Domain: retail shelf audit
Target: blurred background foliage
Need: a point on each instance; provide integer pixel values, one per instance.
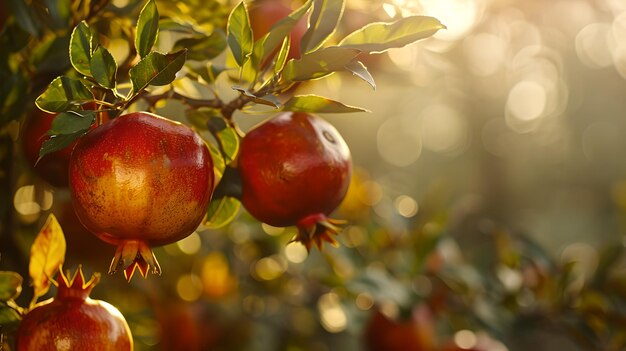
(487, 211)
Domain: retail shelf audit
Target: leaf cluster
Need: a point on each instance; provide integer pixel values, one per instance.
(263, 74)
(47, 255)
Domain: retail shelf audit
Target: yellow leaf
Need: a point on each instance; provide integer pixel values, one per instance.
(46, 256)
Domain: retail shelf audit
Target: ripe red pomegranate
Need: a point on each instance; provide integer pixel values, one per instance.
(73, 321)
(138, 181)
(52, 167)
(265, 13)
(414, 334)
(295, 170)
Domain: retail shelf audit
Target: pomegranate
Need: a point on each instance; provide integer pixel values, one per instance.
(265, 13)
(73, 321)
(52, 167)
(138, 181)
(295, 170)
(414, 334)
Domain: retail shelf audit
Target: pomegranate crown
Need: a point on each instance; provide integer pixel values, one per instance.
(77, 282)
(317, 229)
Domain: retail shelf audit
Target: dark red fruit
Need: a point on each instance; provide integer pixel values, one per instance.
(73, 321)
(295, 170)
(138, 181)
(265, 13)
(414, 334)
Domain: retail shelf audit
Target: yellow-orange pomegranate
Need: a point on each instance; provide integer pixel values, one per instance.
(138, 181)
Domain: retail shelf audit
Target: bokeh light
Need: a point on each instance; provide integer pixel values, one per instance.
(465, 339)
(189, 287)
(295, 252)
(332, 315)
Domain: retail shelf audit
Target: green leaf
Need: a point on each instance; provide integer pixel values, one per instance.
(281, 58)
(219, 165)
(13, 39)
(318, 104)
(358, 69)
(104, 68)
(156, 69)
(203, 48)
(59, 12)
(319, 63)
(281, 29)
(322, 23)
(51, 55)
(269, 100)
(24, 16)
(178, 26)
(226, 137)
(266, 46)
(209, 72)
(14, 95)
(250, 70)
(80, 48)
(147, 28)
(58, 142)
(239, 37)
(380, 37)
(8, 316)
(199, 118)
(221, 211)
(10, 285)
(63, 93)
(72, 122)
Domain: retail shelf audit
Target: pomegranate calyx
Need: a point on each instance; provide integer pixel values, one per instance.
(76, 286)
(132, 255)
(317, 229)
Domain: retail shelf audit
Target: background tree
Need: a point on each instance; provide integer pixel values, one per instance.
(235, 283)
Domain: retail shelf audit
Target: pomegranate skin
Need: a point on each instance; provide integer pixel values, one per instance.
(295, 170)
(140, 180)
(141, 177)
(73, 321)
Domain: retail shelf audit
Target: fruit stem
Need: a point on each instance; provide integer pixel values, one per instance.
(229, 109)
(171, 94)
(237, 104)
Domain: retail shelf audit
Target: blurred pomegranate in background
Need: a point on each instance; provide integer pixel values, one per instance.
(414, 334)
(53, 168)
(265, 13)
